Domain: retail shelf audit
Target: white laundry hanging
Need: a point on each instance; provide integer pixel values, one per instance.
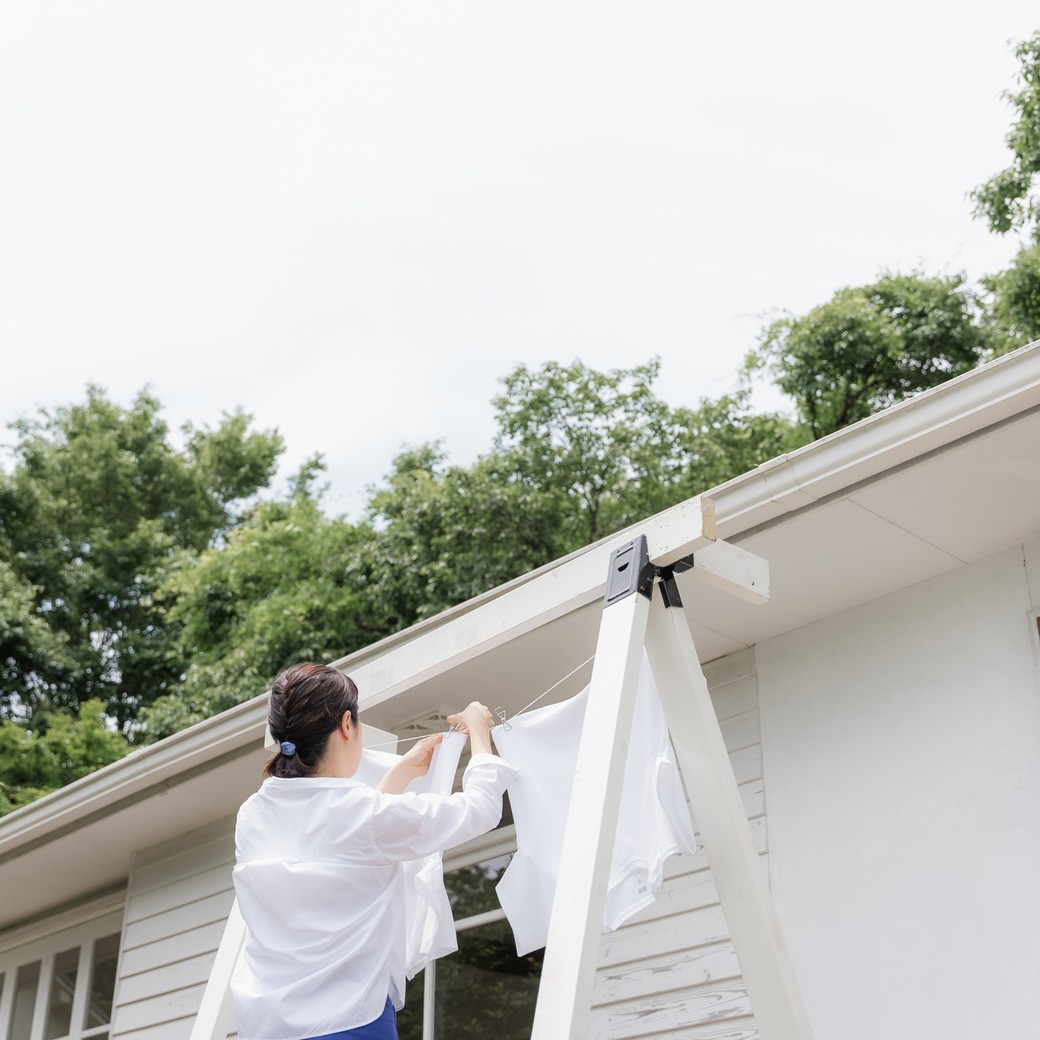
(653, 822)
(429, 925)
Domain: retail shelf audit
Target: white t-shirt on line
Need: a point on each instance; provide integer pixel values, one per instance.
(653, 822)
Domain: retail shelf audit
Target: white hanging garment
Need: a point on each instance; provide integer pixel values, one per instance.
(429, 925)
(653, 822)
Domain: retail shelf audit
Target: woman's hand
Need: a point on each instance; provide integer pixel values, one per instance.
(415, 762)
(477, 721)
(418, 758)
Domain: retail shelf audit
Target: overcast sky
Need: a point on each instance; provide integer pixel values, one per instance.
(352, 218)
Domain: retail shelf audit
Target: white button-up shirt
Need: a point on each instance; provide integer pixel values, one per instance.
(319, 883)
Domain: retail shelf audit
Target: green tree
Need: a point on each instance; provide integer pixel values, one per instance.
(591, 438)
(65, 748)
(441, 534)
(579, 454)
(1015, 299)
(1008, 200)
(288, 584)
(871, 346)
(96, 513)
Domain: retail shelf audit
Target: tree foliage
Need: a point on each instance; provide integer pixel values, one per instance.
(288, 584)
(871, 346)
(1015, 300)
(96, 513)
(34, 762)
(1009, 201)
(291, 583)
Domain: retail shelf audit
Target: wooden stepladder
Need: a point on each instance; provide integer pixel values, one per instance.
(642, 609)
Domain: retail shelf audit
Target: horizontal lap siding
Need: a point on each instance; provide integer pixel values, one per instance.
(671, 973)
(178, 902)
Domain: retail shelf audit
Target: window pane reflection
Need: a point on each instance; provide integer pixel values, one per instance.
(26, 983)
(471, 890)
(102, 981)
(485, 990)
(63, 987)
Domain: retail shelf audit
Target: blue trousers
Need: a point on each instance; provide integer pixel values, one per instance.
(383, 1028)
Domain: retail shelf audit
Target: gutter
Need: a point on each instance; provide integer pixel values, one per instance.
(999, 391)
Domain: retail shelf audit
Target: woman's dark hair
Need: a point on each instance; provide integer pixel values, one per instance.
(308, 702)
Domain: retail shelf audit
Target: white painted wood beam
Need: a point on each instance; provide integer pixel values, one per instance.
(733, 570)
(705, 766)
(216, 1012)
(686, 528)
(568, 972)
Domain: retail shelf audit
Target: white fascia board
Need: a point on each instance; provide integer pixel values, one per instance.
(936, 419)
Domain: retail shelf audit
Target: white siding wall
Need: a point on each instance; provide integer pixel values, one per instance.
(672, 971)
(902, 752)
(179, 898)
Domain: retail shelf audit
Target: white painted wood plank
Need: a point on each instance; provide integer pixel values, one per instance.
(673, 934)
(197, 841)
(725, 1029)
(167, 978)
(182, 919)
(746, 764)
(665, 972)
(175, 1029)
(169, 950)
(709, 778)
(734, 570)
(730, 1029)
(565, 992)
(740, 731)
(736, 697)
(729, 669)
(181, 892)
(169, 1007)
(671, 1011)
(191, 860)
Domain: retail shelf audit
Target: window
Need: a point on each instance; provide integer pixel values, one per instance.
(61, 987)
(484, 989)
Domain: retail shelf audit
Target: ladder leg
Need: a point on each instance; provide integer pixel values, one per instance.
(216, 1012)
(576, 923)
(748, 907)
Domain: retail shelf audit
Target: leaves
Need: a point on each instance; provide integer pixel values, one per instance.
(871, 346)
(1015, 300)
(1007, 201)
(98, 510)
(65, 748)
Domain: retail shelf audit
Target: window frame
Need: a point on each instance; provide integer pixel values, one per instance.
(499, 842)
(45, 949)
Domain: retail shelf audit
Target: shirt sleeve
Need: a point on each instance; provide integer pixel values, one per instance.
(409, 826)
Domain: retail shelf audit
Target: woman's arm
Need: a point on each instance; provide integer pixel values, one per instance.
(413, 764)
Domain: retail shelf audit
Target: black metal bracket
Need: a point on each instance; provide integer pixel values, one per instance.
(629, 571)
(669, 586)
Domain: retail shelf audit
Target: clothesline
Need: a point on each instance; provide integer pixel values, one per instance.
(526, 707)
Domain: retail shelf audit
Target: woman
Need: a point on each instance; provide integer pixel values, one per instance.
(318, 873)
